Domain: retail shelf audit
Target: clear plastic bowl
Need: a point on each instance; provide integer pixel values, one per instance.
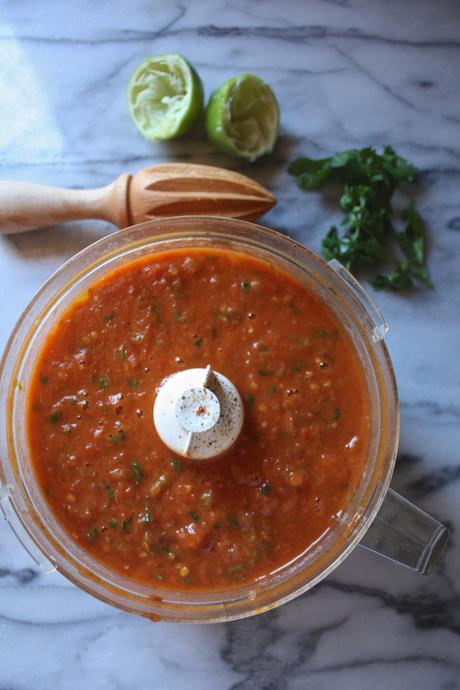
(26, 508)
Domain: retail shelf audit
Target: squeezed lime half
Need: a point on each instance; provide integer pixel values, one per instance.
(165, 97)
(242, 117)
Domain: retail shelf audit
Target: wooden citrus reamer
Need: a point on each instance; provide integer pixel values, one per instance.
(167, 189)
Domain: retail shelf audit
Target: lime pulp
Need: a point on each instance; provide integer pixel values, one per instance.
(165, 97)
(242, 117)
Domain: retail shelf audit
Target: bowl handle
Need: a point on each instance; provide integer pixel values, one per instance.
(406, 534)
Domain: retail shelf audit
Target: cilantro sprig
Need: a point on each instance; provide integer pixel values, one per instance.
(369, 180)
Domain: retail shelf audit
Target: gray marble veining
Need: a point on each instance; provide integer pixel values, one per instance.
(347, 73)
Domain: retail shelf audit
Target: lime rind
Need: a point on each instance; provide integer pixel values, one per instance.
(242, 117)
(165, 97)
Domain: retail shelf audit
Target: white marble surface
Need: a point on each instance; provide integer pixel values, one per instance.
(347, 73)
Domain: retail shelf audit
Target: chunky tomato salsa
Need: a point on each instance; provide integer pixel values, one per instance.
(149, 514)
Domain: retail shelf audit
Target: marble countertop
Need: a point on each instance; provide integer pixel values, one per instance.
(347, 73)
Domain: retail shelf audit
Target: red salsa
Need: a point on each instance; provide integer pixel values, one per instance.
(150, 515)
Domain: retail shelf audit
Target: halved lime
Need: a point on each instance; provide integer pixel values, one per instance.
(242, 117)
(165, 97)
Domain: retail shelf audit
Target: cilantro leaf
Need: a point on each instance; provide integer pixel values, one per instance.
(412, 240)
(355, 166)
(412, 243)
